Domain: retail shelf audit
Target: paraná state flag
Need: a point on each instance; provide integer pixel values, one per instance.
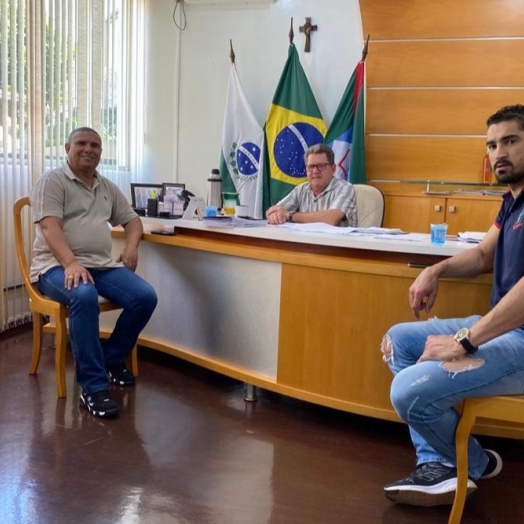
(293, 124)
(346, 133)
(241, 160)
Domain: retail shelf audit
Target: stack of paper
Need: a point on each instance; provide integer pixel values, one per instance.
(374, 231)
(320, 227)
(232, 221)
(471, 236)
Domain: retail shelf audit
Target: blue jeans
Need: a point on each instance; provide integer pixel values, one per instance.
(92, 355)
(424, 394)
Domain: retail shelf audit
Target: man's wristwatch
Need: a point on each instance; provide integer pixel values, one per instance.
(290, 218)
(461, 336)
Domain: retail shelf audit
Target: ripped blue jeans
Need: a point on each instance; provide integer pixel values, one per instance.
(425, 395)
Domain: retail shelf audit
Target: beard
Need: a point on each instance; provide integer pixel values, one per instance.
(508, 175)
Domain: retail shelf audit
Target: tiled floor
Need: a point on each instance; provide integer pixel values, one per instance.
(187, 449)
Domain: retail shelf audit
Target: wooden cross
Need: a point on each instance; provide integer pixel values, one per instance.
(306, 29)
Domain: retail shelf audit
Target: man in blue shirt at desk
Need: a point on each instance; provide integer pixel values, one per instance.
(323, 198)
(440, 362)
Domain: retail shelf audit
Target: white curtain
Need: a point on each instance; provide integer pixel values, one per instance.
(64, 64)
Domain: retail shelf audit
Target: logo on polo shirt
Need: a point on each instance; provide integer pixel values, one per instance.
(518, 222)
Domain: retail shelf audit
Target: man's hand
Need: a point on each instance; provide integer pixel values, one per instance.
(277, 215)
(442, 347)
(423, 292)
(74, 273)
(133, 232)
(129, 257)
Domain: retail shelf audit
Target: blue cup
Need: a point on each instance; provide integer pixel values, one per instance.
(210, 211)
(438, 234)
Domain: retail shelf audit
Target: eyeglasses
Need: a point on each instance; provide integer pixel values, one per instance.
(320, 167)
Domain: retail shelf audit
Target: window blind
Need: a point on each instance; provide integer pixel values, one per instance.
(64, 64)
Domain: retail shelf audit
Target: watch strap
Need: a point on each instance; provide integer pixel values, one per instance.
(468, 346)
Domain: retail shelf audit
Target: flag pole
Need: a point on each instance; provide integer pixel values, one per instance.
(232, 53)
(291, 33)
(365, 50)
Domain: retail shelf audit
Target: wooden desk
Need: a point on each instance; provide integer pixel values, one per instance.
(298, 314)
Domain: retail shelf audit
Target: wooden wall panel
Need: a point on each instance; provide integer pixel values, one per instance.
(435, 111)
(425, 158)
(400, 19)
(445, 63)
(435, 72)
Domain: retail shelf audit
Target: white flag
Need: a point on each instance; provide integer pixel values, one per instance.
(241, 161)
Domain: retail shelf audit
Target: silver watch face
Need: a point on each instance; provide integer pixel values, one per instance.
(462, 334)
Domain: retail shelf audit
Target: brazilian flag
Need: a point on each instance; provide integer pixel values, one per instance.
(293, 124)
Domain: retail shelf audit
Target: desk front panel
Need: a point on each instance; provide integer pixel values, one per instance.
(218, 307)
(292, 321)
(332, 323)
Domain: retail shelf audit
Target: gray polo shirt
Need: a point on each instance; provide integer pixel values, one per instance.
(86, 214)
(339, 194)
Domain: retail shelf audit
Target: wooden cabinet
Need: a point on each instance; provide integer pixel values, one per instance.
(461, 212)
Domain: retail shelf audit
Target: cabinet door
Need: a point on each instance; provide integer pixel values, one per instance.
(413, 213)
(471, 215)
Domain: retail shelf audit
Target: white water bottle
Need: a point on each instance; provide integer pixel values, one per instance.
(214, 189)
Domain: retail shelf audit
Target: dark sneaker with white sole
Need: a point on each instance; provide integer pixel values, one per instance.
(119, 374)
(99, 404)
(430, 484)
(494, 466)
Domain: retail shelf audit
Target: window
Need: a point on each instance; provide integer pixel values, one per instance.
(65, 64)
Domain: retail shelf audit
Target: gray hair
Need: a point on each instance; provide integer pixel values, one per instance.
(319, 149)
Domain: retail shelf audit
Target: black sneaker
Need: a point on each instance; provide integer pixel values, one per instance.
(119, 374)
(99, 404)
(494, 466)
(430, 484)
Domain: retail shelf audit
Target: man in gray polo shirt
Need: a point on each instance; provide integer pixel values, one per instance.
(72, 206)
(322, 198)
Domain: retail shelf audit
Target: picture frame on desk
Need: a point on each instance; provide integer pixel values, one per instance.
(172, 190)
(173, 202)
(141, 192)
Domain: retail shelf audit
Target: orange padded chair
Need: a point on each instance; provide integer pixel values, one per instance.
(502, 408)
(43, 307)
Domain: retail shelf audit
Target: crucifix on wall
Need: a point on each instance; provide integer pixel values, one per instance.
(307, 29)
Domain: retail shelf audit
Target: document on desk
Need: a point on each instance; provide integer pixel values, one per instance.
(320, 227)
(234, 222)
(384, 233)
(409, 237)
(375, 232)
(372, 231)
(313, 227)
(472, 236)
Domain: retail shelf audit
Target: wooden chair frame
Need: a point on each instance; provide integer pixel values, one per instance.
(43, 307)
(503, 408)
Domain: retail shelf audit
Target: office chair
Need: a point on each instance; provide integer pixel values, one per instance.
(370, 205)
(43, 307)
